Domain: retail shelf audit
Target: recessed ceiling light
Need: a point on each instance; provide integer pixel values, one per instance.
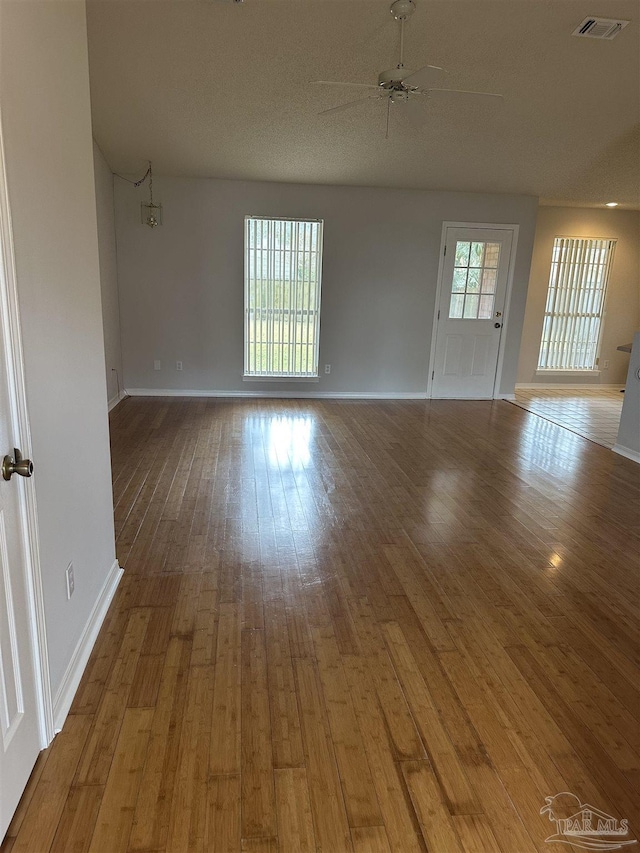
(612, 204)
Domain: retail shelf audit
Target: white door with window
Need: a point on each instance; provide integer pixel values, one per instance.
(470, 312)
(20, 739)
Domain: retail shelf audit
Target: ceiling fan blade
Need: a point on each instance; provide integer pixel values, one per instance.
(423, 76)
(336, 83)
(463, 92)
(349, 104)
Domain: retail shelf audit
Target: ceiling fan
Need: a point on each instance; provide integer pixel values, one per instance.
(400, 85)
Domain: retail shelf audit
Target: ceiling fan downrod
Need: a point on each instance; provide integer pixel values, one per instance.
(402, 11)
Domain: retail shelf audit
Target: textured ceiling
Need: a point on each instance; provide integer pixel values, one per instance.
(218, 89)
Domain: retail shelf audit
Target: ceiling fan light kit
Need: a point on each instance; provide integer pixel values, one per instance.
(400, 85)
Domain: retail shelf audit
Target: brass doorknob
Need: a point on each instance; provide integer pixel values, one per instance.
(21, 466)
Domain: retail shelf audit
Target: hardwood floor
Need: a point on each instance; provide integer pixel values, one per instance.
(352, 626)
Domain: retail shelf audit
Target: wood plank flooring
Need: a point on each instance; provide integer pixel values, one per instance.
(352, 626)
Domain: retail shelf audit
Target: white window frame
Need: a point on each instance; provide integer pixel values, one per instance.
(249, 371)
(582, 261)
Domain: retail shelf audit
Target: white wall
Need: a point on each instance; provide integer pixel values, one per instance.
(44, 94)
(623, 300)
(181, 285)
(628, 442)
(108, 274)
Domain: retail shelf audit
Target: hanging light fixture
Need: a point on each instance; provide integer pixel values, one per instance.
(151, 212)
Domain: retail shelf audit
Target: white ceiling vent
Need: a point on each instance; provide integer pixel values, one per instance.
(599, 28)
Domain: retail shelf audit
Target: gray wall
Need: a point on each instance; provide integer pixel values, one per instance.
(44, 93)
(628, 442)
(181, 285)
(623, 298)
(108, 274)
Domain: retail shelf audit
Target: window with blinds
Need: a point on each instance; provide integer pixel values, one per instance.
(282, 273)
(575, 303)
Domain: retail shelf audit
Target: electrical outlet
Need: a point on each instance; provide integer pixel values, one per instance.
(178, 365)
(605, 364)
(71, 581)
(327, 368)
(156, 365)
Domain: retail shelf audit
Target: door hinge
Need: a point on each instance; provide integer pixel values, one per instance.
(433, 373)
(438, 313)
(445, 248)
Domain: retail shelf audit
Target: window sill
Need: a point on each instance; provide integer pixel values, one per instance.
(540, 372)
(280, 378)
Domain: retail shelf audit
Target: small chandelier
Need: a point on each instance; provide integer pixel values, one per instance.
(151, 212)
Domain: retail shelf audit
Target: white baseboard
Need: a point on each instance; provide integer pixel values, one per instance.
(626, 451)
(559, 386)
(303, 395)
(71, 679)
(113, 402)
(296, 395)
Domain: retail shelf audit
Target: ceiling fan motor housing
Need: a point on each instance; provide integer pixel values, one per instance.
(392, 79)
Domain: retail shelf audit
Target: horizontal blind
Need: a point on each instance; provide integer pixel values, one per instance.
(283, 269)
(575, 303)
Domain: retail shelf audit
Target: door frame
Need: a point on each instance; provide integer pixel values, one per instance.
(21, 429)
(515, 229)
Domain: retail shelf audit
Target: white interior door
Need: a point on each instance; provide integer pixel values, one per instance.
(470, 312)
(19, 718)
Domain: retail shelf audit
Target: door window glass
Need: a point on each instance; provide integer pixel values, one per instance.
(474, 280)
